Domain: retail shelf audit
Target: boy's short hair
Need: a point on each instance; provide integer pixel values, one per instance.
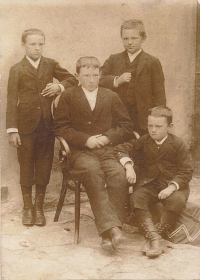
(32, 31)
(87, 61)
(161, 111)
(134, 24)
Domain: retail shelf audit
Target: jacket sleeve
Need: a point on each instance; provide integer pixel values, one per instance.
(62, 124)
(63, 76)
(158, 83)
(107, 79)
(185, 170)
(129, 149)
(122, 127)
(12, 98)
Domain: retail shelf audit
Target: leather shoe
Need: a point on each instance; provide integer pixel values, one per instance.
(117, 237)
(106, 244)
(28, 217)
(39, 217)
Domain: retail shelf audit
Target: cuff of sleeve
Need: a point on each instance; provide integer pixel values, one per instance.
(10, 130)
(124, 160)
(61, 87)
(176, 184)
(115, 82)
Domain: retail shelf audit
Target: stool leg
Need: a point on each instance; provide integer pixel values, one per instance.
(77, 212)
(61, 199)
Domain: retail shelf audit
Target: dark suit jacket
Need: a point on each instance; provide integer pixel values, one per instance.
(76, 122)
(25, 104)
(171, 162)
(149, 85)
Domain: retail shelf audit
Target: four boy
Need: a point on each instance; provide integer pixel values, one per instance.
(93, 120)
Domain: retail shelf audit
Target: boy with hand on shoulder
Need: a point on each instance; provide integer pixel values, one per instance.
(29, 120)
(164, 174)
(136, 76)
(93, 120)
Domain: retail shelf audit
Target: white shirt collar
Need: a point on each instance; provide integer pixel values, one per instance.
(161, 141)
(132, 56)
(91, 97)
(91, 93)
(34, 63)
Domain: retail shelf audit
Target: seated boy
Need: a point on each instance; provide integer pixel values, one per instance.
(164, 175)
(93, 120)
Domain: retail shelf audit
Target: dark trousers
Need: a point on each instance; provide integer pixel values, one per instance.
(146, 196)
(35, 156)
(133, 113)
(104, 180)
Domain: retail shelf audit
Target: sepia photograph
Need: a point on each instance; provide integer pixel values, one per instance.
(100, 139)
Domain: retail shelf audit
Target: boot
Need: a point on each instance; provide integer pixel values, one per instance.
(38, 207)
(146, 246)
(117, 237)
(162, 228)
(28, 215)
(151, 234)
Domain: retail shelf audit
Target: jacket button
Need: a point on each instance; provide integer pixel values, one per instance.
(89, 122)
(38, 108)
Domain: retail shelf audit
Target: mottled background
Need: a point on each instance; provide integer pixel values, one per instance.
(77, 28)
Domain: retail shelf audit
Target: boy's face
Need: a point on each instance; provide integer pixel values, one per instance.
(34, 46)
(158, 127)
(132, 40)
(89, 77)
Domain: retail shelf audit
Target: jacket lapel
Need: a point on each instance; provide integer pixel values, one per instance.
(99, 103)
(142, 61)
(83, 102)
(27, 65)
(164, 148)
(120, 62)
(42, 67)
(152, 146)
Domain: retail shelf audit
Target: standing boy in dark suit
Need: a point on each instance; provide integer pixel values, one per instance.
(29, 120)
(136, 76)
(93, 120)
(164, 174)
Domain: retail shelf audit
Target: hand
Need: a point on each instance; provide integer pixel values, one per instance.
(14, 139)
(104, 139)
(130, 173)
(167, 192)
(51, 90)
(124, 78)
(94, 142)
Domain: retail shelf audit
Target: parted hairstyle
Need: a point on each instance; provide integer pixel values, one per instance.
(161, 111)
(32, 31)
(134, 24)
(87, 61)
